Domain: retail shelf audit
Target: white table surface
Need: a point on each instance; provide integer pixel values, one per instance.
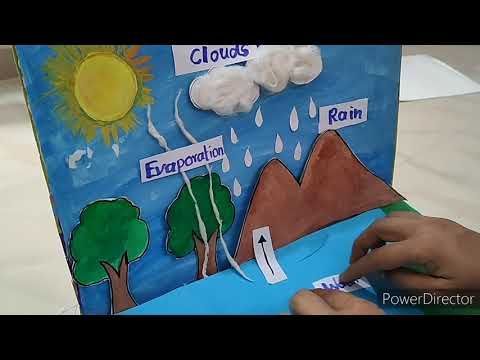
(437, 169)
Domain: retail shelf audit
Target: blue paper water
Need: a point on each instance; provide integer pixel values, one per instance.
(318, 255)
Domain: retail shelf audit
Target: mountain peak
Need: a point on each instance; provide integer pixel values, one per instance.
(335, 186)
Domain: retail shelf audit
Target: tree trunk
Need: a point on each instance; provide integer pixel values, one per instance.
(212, 254)
(121, 297)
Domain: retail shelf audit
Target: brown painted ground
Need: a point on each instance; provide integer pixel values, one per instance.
(335, 186)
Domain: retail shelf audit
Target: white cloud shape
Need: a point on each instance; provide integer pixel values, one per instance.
(308, 64)
(233, 89)
(271, 66)
(276, 65)
(225, 90)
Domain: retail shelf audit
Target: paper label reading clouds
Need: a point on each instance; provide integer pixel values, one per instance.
(182, 159)
(333, 117)
(192, 58)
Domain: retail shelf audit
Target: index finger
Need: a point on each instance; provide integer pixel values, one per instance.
(391, 228)
(387, 257)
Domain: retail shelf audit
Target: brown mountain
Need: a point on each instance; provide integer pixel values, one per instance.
(334, 186)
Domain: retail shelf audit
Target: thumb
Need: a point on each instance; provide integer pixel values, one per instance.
(347, 304)
(306, 302)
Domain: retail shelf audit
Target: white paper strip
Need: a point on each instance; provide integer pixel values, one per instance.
(332, 283)
(265, 256)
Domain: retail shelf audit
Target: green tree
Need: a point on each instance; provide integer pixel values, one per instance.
(110, 235)
(184, 234)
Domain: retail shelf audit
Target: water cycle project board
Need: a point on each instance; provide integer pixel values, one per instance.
(169, 165)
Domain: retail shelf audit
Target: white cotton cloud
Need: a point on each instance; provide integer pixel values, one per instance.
(276, 65)
(226, 91)
(271, 66)
(233, 89)
(308, 64)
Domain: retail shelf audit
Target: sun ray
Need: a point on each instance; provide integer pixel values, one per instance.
(140, 60)
(132, 51)
(114, 133)
(106, 135)
(90, 133)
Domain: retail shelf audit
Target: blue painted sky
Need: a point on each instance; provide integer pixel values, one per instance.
(350, 72)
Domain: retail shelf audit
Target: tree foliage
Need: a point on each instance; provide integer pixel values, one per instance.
(107, 230)
(182, 218)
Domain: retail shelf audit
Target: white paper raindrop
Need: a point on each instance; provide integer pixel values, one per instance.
(89, 152)
(312, 109)
(294, 119)
(278, 144)
(298, 152)
(75, 157)
(259, 117)
(237, 188)
(248, 158)
(225, 165)
(116, 150)
(233, 136)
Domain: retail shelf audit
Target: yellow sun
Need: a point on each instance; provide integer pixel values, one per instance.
(98, 88)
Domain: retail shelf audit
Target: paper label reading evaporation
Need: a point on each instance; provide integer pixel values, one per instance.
(337, 116)
(332, 283)
(193, 58)
(182, 159)
(265, 256)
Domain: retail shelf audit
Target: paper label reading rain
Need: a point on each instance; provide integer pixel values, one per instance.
(265, 256)
(333, 117)
(332, 283)
(192, 58)
(182, 159)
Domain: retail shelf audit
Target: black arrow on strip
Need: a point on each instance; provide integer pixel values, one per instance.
(262, 241)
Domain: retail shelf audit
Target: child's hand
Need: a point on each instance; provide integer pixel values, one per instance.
(449, 252)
